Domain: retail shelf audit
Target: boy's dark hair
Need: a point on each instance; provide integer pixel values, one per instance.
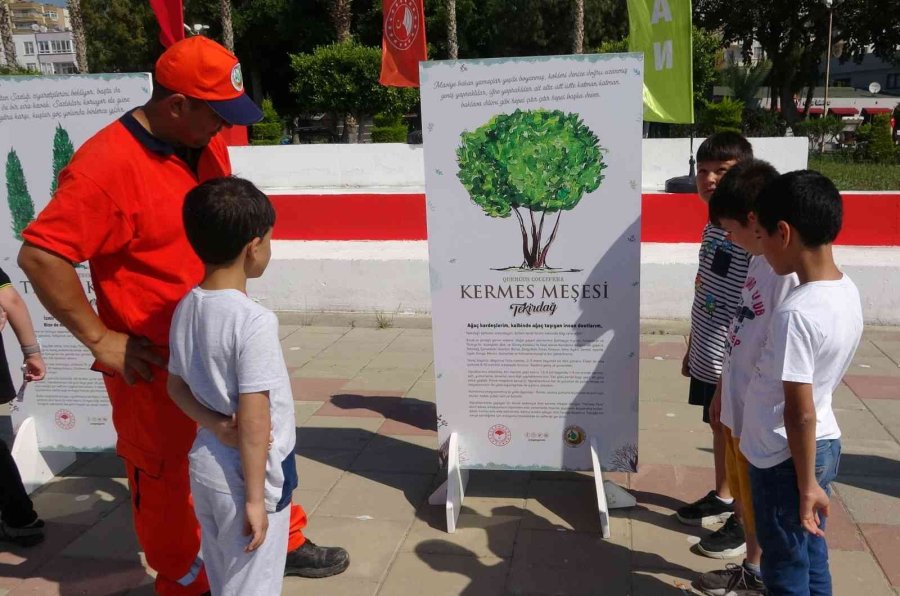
(222, 215)
(736, 193)
(807, 201)
(725, 146)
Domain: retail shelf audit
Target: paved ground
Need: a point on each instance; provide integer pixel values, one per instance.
(366, 456)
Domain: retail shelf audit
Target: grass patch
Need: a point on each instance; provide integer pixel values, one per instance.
(857, 176)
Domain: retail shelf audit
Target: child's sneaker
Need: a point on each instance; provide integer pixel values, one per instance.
(705, 512)
(734, 580)
(726, 542)
(28, 535)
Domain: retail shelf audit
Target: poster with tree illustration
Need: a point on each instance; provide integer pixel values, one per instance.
(42, 122)
(532, 179)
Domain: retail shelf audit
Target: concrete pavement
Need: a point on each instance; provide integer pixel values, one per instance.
(366, 457)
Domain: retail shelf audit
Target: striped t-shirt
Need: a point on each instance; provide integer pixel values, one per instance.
(720, 277)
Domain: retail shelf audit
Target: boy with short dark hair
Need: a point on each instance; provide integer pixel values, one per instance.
(720, 276)
(790, 436)
(733, 208)
(227, 372)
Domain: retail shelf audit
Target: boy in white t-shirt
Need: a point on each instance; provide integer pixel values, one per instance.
(227, 372)
(733, 209)
(790, 435)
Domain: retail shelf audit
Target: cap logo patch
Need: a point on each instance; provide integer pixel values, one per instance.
(237, 78)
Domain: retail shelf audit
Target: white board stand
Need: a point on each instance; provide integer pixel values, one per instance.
(453, 490)
(35, 466)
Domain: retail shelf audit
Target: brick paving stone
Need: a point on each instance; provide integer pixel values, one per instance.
(481, 535)
(663, 350)
(364, 404)
(18, 563)
(841, 531)
(380, 495)
(320, 469)
(315, 389)
(889, 348)
(884, 540)
(856, 572)
(68, 576)
(409, 454)
(871, 500)
(445, 575)
(874, 386)
(888, 414)
(372, 543)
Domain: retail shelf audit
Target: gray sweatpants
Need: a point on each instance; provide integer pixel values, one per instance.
(231, 571)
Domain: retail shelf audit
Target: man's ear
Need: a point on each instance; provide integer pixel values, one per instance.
(176, 104)
(786, 232)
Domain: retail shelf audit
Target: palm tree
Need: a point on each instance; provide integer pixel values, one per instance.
(6, 32)
(227, 25)
(745, 81)
(341, 17)
(78, 34)
(578, 37)
(452, 42)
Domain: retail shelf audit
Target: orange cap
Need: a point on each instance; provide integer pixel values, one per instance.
(200, 68)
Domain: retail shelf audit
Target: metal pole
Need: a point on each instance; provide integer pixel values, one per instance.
(827, 73)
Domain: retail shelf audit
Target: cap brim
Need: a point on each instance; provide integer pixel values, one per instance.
(240, 111)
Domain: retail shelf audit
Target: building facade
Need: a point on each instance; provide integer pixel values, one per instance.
(28, 17)
(47, 53)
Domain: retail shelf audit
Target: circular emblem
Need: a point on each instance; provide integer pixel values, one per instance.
(65, 419)
(401, 26)
(237, 78)
(500, 435)
(573, 436)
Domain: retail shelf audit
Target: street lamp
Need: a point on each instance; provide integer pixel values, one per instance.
(830, 5)
(197, 29)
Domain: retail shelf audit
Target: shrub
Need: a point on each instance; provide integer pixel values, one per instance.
(271, 130)
(389, 128)
(724, 116)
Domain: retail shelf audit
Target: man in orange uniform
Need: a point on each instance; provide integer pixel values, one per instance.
(118, 207)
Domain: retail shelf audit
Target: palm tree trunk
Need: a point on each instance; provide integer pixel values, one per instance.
(578, 41)
(6, 32)
(227, 25)
(78, 34)
(341, 18)
(452, 41)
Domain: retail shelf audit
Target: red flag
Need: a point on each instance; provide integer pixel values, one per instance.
(403, 42)
(170, 15)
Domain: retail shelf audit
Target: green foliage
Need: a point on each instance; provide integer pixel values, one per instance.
(875, 140)
(121, 35)
(705, 56)
(745, 81)
(724, 116)
(540, 160)
(856, 176)
(63, 150)
(343, 78)
(389, 128)
(819, 130)
(6, 70)
(21, 207)
(759, 122)
(270, 130)
(613, 46)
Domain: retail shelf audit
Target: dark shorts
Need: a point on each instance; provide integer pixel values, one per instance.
(701, 394)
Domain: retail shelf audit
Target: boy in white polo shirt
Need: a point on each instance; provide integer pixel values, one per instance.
(733, 209)
(790, 435)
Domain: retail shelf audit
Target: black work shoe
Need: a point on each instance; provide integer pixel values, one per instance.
(316, 561)
(28, 535)
(705, 512)
(734, 580)
(726, 542)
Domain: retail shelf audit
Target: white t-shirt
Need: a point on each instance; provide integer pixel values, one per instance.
(223, 344)
(812, 339)
(763, 291)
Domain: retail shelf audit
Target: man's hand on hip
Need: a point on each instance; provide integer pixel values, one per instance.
(131, 357)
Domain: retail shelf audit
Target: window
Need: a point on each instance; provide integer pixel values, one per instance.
(61, 46)
(841, 82)
(50, 15)
(43, 47)
(66, 68)
(31, 66)
(893, 80)
(29, 48)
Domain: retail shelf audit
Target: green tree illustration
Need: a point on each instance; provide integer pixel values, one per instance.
(63, 149)
(532, 161)
(21, 207)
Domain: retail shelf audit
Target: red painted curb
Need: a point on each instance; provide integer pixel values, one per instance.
(869, 219)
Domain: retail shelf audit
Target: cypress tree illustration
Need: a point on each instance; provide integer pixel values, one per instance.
(21, 207)
(62, 154)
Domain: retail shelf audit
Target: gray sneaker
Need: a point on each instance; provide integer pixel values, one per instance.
(734, 580)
